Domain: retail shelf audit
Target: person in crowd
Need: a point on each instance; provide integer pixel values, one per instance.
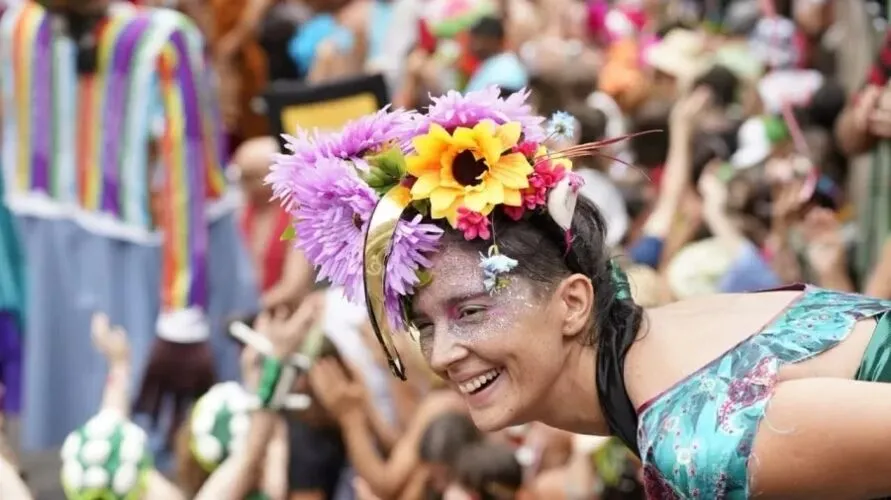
(498, 65)
(399, 473)
(440, 447)
(485, 471)
(257, 468)
(109, 455)
(515, 319)
(208, 446)
(284, 275)
(865, 125)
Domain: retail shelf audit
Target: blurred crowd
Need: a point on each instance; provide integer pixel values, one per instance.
(756, 157)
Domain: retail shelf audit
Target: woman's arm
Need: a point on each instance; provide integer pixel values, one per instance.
(296, 281)
(824, 438)
(113, 344)
(678, 165)
(159, 487)
(11, 484)
(342, 398)
(417, 485)
(240, 473)
(237, 476)
(275, 468)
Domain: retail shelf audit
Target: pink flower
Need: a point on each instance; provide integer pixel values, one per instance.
(548, 174)
(542, 180)
(527, 149)
(473, 224)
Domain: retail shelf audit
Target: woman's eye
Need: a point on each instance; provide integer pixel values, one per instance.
(470, 312)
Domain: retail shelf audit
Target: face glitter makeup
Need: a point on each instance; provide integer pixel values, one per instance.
(457, 310)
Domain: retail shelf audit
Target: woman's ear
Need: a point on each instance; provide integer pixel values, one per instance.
(576, 294)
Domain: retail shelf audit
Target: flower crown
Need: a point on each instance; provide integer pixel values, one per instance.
(366, 201)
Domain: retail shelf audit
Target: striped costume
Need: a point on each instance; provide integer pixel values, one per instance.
(115, 179)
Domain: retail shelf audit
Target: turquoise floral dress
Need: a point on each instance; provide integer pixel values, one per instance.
(695, 439)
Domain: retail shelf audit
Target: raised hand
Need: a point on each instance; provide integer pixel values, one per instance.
(334, 389)
(287, 331)
(109, 340)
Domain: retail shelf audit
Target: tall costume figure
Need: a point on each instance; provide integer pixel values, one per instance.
(112, 162)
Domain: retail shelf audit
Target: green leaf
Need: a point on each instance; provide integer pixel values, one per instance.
(425, 278)
(391, 162)
(422, 206)
(288, 234)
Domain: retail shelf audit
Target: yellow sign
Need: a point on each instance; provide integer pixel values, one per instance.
(328, 115)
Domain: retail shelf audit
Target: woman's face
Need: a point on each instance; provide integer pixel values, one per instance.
(502, 351)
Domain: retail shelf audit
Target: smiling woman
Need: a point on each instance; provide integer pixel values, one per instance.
(461, 227)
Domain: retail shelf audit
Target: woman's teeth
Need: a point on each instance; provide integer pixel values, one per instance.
(476, 384)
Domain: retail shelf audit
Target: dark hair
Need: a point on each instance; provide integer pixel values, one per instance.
(592, 121)
(826, 105)
(490, 470)
(538, 244)
(445, 436)
(651, 150)
(489, 27)
(723, 83)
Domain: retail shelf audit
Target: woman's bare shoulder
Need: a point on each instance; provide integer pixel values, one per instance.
(680, 338)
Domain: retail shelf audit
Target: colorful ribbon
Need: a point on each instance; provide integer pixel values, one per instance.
(86, 143)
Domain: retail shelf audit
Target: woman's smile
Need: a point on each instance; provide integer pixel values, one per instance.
(479, 390)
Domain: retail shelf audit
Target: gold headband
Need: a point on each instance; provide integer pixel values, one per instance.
(381, 227)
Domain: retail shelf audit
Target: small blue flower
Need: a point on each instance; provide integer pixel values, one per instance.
(561, 125)
(494, 267)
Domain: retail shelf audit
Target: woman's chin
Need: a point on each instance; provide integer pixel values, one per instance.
(493, 408)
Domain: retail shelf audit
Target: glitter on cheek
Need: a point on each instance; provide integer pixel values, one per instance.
(491, 333)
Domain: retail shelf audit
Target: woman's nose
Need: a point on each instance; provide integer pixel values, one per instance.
(446, 350)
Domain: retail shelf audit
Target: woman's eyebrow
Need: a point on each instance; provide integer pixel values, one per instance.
(464, 297)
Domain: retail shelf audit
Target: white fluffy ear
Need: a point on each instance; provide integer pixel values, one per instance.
(561, 203)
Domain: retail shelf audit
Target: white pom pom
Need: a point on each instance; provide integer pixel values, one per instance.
(95, 452)
(102, 426)
(209, 448)
(95, 478)
(132, 450)
(125, 479)
(212, 402)
(71, 446)
(73, 475)
(203, 421)
(239, 402)
(239, 424)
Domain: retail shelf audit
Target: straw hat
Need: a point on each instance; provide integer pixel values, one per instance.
(681, 54)
(698, 268)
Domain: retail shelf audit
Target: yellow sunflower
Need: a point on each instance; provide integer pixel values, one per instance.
(471, 168)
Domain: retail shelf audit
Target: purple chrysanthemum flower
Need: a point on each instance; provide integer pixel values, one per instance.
(358, 137)
(454, 109)
(410, 247)
(330, 222)
(368, 134)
